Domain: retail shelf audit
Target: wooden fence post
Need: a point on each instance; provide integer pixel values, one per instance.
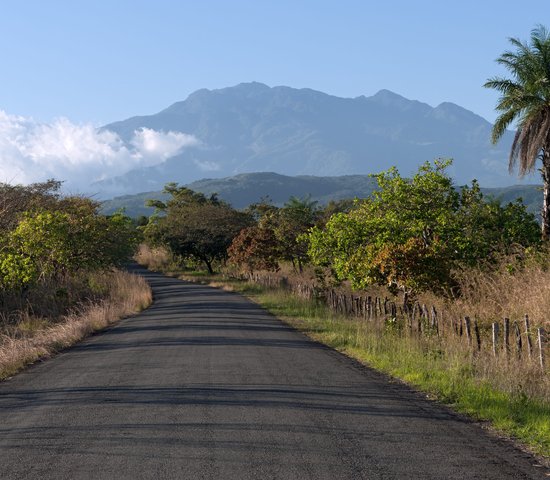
(414, 313)
(478, 337)
(468, 328)
(541, 339)
(434, 322)
(408, 314)
(528, 336)
(424, 311)
(506, 336)
(518, 339)
(424, 315)
(495, 338)
(369, 307)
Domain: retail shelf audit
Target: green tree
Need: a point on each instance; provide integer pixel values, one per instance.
(195, 226)
(412, 233)
(525, 97)
(292, 221)
(44, 239)
(15, 199)
(118, 239)
(54, 244)
(333, 207)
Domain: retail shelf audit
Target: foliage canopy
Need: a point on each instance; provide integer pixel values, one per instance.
(412, 233)
(47, 237)
(195, 226)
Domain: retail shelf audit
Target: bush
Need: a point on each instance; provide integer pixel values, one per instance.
(412, 233)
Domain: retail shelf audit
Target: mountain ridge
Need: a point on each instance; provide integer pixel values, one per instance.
(252, 127)
(247, 188)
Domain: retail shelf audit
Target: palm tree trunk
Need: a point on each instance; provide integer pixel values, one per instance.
(546, 193)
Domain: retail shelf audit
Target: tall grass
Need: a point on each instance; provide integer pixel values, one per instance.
(509, 290)
(26, 337)
(156, 259)
(490, 296)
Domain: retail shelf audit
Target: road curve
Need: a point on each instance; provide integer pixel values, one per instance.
(206, 385)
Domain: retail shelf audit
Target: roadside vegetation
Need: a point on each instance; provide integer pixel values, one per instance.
(58, 272)
(415, 242)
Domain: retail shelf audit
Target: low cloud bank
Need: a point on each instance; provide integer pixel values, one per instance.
(78, 154)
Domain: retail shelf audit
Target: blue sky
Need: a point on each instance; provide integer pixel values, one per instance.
(100, 61)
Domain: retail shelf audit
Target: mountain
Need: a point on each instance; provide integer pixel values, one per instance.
(247, 188)
(531, 195)
(251, 127)
(244, 189)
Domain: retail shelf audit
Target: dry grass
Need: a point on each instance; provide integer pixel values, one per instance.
(488, 297)
(33, 338)
(492, 295)
(510, 290)
(156, 259)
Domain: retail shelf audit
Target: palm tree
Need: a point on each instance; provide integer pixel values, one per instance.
(525, 97)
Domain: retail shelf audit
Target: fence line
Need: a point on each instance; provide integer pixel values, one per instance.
(420, 319)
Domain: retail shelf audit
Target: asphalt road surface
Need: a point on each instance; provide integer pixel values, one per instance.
(206, 385)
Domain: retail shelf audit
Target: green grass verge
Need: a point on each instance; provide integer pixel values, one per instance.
(449, 378)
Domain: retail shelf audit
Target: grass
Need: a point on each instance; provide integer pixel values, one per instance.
(32, 338)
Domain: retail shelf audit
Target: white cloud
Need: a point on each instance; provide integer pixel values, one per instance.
(78, 154)
(155, 144)
(206, 165)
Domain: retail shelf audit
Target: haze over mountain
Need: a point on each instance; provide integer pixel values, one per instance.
(252, 128)
(247, 188)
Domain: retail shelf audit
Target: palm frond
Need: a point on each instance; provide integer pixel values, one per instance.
(540, 129)
(526, 163)
(540, 37)
(528, 142)
(503, 85)
(501, 123)
(521, 47)
(514, 150)
(525, 97)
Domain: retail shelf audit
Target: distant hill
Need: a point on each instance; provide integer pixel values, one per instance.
(244, 189)
(530, 194)
(251, 127)
(247, 188)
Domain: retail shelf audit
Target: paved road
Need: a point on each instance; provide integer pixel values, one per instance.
(206, 385)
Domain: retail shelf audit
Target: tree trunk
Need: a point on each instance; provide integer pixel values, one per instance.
(545, 170)
(208, 264)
